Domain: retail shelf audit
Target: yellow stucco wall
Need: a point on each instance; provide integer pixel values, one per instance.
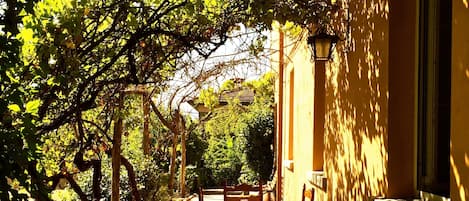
(459, 159)
(370, 124)
(355, 152)
(357, 108)
(302, 115)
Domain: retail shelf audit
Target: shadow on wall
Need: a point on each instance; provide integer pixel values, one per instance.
(459, 158)
(460, 163)
(356, 107)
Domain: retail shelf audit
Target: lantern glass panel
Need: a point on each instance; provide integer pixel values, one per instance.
(323, 48)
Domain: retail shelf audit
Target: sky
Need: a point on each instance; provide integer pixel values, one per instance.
(250, 70)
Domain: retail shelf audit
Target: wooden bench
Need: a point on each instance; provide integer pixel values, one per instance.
(243, 192)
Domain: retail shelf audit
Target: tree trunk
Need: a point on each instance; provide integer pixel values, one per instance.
(174, 130)
(132, 179)
(173, 161)
(182, 177)
(97, 175)
(116, 149)
(146, 122)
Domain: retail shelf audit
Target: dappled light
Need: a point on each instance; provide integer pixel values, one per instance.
(460, 163)
(459, 150)
(356, 107)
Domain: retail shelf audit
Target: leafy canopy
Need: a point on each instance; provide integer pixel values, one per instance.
(61, 58)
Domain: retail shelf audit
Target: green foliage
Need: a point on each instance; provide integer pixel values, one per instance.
(208, 98)
(147, 173)
(259, 145)
(264, 92)
(18, 145)
(59, 56)
(64, 195)
(64, 61)
(60, 148)
(32, 107)
(226, 86)
(223, 158)
(293, 30)
(195, 148)
(156, 186)
(257, 46)
(192, 179)
(240, 138)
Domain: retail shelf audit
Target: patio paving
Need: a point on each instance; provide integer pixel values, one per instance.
(210, 195)
(210, 198)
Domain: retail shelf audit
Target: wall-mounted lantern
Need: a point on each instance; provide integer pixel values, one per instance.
(324, 38)
(322, 44)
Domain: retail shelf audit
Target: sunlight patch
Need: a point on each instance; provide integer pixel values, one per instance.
(466, 159)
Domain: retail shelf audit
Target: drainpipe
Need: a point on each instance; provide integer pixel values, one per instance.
(280, 117)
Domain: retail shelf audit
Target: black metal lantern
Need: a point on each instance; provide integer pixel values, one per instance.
(322, 44)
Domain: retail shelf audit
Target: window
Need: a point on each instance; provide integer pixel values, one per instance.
(291, 107)
(434, 96)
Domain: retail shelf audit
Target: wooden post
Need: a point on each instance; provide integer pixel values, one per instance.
(116, 149)
(146, 101)
(146, 122)
(182, 178)
(280, 117)
(172, 172)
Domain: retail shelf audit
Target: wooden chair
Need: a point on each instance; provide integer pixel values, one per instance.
(303, 193)
(307, 194)
(201, 194)
(242, 192)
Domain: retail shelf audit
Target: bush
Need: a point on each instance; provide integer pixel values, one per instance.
(259, 141)
(223, 158)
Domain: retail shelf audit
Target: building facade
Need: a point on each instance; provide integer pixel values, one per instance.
(388, 116)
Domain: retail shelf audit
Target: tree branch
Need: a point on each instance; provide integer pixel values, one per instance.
(161, 117)
(132, 178)
(97, 175)
(75, 187)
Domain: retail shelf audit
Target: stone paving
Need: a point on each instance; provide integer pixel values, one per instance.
(209, 195)
(210, 198)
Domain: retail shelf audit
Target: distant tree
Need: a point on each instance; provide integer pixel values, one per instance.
(259, 133)
(241, 135)
(259, 151)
